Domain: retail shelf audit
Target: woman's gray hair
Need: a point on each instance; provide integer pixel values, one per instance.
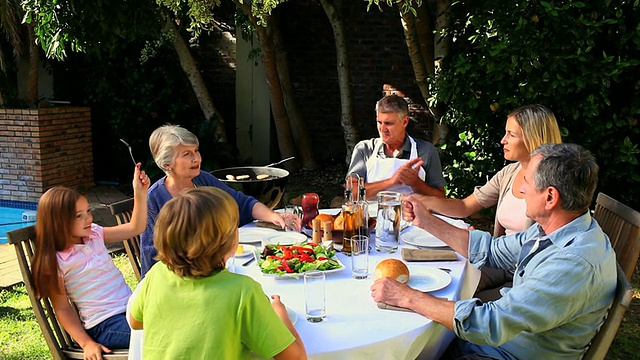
(163, 142)
(570, 169)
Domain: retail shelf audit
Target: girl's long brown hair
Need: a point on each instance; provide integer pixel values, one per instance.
(54, 221)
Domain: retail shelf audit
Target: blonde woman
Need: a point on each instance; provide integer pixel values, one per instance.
(190, 306)
(527, 128)
(175, 151)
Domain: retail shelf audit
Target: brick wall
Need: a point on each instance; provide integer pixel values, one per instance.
(43, 148)
(378, 56)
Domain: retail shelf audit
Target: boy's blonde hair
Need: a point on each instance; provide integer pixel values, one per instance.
(195, 230)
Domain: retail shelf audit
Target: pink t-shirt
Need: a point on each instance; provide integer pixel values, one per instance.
(93, 283)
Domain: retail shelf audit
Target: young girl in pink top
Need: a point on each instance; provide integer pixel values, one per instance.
(71, 262)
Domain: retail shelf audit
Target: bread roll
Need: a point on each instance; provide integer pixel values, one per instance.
(338, 223)
(322, 218)
(392, 268)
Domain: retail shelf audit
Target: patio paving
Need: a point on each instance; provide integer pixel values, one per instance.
(99, 197)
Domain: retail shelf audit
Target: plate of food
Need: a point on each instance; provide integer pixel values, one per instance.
(427, 279)
(284, 238)
(245, 250)
(284, 261)
(416, 236)
(249, 235)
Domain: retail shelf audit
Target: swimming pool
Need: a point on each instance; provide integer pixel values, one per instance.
(12, 218)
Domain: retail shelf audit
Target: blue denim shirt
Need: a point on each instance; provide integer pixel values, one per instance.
(560, 294)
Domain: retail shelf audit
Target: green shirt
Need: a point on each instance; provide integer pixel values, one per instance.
(224, 316)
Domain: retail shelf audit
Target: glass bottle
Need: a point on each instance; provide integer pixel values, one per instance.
(309, 208)
(362, 206)
(348, 215)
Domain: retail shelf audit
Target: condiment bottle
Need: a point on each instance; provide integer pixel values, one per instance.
(316, 237)
(348, 215)
(362, 205)
(327, 227)
(309, 208)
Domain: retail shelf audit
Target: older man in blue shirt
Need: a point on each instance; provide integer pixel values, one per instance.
(564, 268)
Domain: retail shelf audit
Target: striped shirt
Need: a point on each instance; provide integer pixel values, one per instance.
(93, 283)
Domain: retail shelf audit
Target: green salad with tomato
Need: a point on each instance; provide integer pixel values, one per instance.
(298, 258)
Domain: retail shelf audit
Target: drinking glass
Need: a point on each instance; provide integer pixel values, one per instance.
(388, 221)
(314, 296)
(293, 215)
(360, 256)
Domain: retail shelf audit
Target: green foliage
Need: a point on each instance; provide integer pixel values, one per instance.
(82, 24)
(581, 59)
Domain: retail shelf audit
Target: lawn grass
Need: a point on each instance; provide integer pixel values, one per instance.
(21, 339)
(20, 335)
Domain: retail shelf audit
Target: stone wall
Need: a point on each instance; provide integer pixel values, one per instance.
(42, 148)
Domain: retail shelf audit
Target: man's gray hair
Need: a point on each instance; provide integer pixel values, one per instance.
(393, 104)
(570, 169)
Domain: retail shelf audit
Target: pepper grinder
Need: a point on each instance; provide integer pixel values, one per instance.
(316, 237)
(327, 227)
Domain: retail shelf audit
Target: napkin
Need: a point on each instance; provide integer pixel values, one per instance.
(386, 306)
(269, 225)
(428, 255)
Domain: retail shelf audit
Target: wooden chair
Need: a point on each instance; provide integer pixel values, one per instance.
(622, 224)
(607, 332)
(58, 340)
(122, 211)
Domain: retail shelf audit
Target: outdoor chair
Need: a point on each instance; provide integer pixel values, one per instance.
(607, 332)
(622, 224)
(122, 211)
(58, 340)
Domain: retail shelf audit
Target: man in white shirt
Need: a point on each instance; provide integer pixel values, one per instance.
(395, 161)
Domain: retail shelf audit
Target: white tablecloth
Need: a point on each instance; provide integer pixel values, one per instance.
(355, 328)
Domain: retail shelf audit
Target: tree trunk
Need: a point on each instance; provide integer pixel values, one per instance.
(298, 126)
(32, 76)
(212, 118)
(419, 36)
(442, 50)
(281, 119)
(334, 11)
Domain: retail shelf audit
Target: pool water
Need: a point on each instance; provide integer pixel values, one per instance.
(12, 218)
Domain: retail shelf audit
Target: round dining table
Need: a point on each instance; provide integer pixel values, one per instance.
(355, 327)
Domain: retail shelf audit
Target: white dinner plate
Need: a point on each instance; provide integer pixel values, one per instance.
(427, 279)
(300, 275)
(292, 315)
(284, 238)
(248, 250)
(249, 235)
(416, 236)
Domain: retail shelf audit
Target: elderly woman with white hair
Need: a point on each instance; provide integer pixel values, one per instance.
(175, 151)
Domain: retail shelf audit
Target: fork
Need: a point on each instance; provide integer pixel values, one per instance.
(130, 152)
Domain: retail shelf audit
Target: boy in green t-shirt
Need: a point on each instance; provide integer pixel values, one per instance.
(191, 306)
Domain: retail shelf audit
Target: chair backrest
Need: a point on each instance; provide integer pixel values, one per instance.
(58, 340)
(122, 211)
(622, 224)
(607, 332)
